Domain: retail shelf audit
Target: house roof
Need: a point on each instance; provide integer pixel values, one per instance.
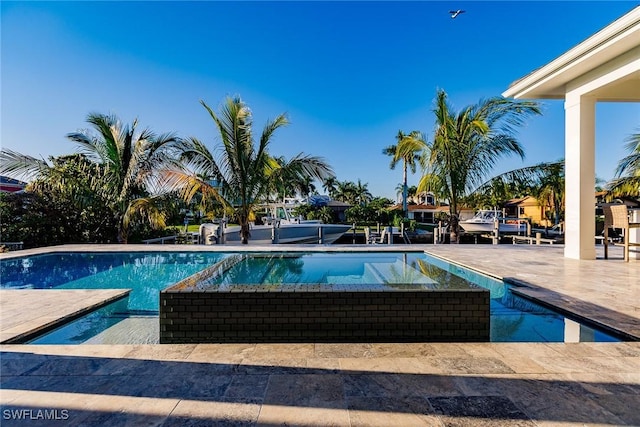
(11, 185)
(615, 45)
(520, 200)
(338, 204)
(413, 208)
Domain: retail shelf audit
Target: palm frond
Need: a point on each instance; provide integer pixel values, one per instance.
(148, 210)
(21, 166)
(187, 185)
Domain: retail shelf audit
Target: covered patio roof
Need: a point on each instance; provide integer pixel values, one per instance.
(604, 67)
(616, 45)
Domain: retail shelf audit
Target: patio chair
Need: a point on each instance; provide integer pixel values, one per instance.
(617, 217)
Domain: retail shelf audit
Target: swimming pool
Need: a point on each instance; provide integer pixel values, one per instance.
(513, 319)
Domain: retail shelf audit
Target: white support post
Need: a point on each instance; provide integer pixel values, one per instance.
(579, 177)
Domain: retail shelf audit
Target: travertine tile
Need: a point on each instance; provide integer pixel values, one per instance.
(404, 349)
(344, 350)
(227, 353)
(205, 413)
(472, 365)
(164, 352)
(479, 411)
(27, 310)
(381, 364)
(391, 411)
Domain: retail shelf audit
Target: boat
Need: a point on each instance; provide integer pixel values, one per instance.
(279, 226)
(484, 221)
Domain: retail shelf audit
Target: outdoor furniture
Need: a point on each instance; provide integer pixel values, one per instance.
(532, 240)
(11, 246)
(617, 217)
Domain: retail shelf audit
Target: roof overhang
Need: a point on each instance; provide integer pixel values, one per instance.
(617, 42)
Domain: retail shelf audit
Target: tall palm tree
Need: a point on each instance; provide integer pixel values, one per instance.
(409, 160)
(466, 145)
(127, 162)
(627, 181)
(245, 168)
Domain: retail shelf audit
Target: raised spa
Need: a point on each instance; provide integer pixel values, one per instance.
(324, 297)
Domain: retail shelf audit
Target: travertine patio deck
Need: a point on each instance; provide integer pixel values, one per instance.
(24, 313)
(489, 384)
(323, 384)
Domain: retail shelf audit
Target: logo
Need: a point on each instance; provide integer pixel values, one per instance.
(35, 414)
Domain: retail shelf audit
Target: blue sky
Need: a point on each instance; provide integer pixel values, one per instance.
(348, 74)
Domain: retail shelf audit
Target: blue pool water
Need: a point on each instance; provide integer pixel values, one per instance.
(513, 319)
(144, 273)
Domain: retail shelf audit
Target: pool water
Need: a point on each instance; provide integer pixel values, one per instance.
(513, 319)
(146, 274)
(373, 270)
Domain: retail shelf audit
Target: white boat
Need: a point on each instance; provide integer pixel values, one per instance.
(279, 226)
(484, 221)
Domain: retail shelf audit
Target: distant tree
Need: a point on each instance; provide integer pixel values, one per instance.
(409, 160)
(329, 185)
(345, 192)
(305, 186)
(362, 194)
(289, 179)
(360, 214)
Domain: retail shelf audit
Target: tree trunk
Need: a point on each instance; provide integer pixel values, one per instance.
(404, 189)
(123, 233)
(454, 229)
(454, 225)
(244, 228)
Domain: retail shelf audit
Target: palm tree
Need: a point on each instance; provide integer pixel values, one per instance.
(329, 185)
(362, 195)
(246, 170)
(399, 190)
(345, 192)
(126, 165)
(466, 145)
(409, 159)
(290, 178)
(627, 181)
(305, 187)
(132, 160)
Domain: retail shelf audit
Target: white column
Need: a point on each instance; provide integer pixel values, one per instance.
(571, 331)
(579, 177)
(634, 235)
